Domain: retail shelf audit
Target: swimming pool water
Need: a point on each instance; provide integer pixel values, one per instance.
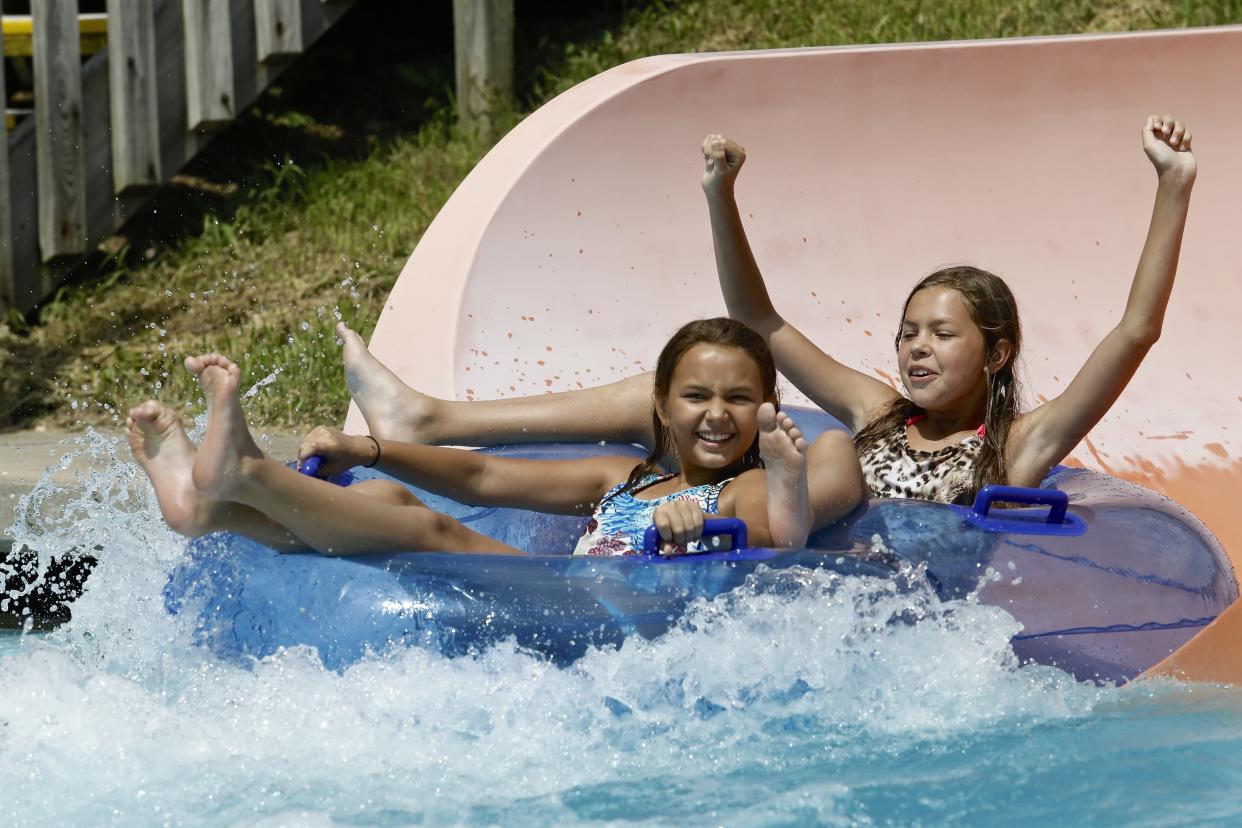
(796, 700)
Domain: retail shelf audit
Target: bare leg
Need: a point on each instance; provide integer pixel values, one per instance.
(162, 448)
(835, 483)
(783, 449)
(331, 519)
(394, 411)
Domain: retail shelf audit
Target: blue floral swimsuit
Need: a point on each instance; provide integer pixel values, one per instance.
(619, 523)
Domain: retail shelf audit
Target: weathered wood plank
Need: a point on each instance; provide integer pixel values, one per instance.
(34, 280)
(31, 279)
(277, 29)
(483, 50)
(210, 97)
(6, 224)
(58, 124)
(134, 95)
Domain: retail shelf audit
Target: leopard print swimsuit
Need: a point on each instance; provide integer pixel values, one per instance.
(893, 469)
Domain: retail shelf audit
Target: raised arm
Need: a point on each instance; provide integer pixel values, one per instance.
(1046, 435)
(561, 486)
(849, 395)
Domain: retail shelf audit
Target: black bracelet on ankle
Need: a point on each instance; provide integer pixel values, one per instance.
(371, 465)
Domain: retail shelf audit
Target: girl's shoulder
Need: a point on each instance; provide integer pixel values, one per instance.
(615, 464)
(609, 472)
(749, 485)
(621, 489)
(1032, 448)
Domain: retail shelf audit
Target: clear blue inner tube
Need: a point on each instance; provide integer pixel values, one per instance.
(1106, 577)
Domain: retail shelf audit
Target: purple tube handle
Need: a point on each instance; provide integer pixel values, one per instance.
(310, 466)
(733, 527)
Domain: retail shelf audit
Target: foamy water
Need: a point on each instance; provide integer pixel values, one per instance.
(794, 700)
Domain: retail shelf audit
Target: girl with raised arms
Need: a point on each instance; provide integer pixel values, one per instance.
(958, 426)
(712, 407)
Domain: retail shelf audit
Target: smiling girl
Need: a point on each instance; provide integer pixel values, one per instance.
(957, 427)
(713, 408)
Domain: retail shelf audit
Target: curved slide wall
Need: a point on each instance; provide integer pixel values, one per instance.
(581, 241)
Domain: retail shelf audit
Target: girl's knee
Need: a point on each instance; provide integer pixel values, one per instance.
(388, 492)
(430, 530)
(832, 448)
(833, 471)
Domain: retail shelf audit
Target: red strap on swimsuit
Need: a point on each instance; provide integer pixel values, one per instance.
(981, 432)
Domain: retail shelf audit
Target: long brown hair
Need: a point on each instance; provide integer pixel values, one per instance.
(718, 331)
(995, 312)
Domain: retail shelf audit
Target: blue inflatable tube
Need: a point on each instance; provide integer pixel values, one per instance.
(1106, 578)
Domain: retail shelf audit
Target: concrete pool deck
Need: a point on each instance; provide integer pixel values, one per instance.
(26, 455)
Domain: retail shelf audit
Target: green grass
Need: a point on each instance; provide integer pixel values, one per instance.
(306, 211)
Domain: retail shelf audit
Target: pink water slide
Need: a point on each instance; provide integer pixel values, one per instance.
(581, 241)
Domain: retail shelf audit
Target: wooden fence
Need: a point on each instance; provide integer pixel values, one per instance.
(107, 132)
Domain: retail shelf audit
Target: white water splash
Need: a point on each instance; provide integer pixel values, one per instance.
(800, 698)
(253, 390)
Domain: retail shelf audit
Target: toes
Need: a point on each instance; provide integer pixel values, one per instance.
(144, 412)
(198, 364)
(766, 417)
(217, 373)
(219, 360)
(784, 423)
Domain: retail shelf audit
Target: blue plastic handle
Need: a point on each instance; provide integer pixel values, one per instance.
(310, 466)
(1056, 501)
(713, 529)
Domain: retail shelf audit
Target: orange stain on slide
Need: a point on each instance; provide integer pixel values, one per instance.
(1211, 492)
(1100, 462)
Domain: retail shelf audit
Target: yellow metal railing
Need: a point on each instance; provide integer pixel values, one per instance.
(92, 30)
(18, 42)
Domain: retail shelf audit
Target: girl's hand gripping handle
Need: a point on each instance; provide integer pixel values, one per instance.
(679, 522)
(338, 451)
(719, 535)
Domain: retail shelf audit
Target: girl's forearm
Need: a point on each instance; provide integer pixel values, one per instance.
(1157, 267)
(741, 282)
(481, 479)
(455, 473)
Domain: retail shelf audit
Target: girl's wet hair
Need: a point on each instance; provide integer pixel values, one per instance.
(994, 310)
(718, 331)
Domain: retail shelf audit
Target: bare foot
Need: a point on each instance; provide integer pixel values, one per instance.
(392, 409)
(218, 468)
(783, 449)
(161, 447)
